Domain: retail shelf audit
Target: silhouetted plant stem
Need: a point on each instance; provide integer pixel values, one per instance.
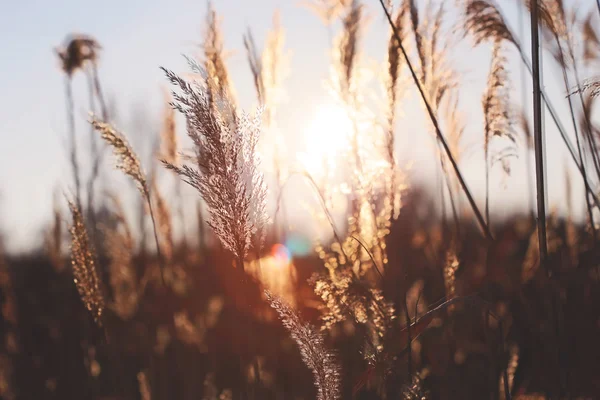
(408, 331)
(451, 196)
(99, 93)
(73, 138)
(588, 129)
(553, 114)
(538, 138)
(95, 157)
(436, 125)
(161, 260)
(523, 73)
(540, 178)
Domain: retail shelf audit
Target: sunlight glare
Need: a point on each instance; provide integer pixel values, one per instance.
(325, 136)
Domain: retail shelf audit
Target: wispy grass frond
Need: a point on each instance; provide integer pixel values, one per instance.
(255, 63)
(169, 133)
(552, 16)
(499, 121)
(484, 21)
(590, 86)
(326, 10)
(83, 261)
(349, 41)
(226, 174)
(321, 361)
(417, 32)
(275, 67)
(127, 159)
(215, 69)
(129, 163)
(394, 60)
(591, 42)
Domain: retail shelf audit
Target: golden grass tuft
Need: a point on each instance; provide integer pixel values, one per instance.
(127, 159)
(83, 262)
(485, 22)
(315, 355)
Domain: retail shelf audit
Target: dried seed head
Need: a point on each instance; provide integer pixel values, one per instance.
(255, 65)
(77, 51)
(127, 160)
(499, 121)
(226, 172)
(83, 261)
(315, 354)
(484, 21)
(591, 42)
(590, 86)
(349, 42)
(215, 69)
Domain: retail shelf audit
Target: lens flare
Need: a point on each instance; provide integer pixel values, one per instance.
(298, 245)
(281, 255)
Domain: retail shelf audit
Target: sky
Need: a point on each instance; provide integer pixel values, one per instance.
(138, 36)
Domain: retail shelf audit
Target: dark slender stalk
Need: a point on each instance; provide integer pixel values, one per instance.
(523, 71)
(94, 156)
(487, 180)
(540, 174)
(553, 114)
(161, 260)
(598, 5)
(95, 88)
(409, 333)
(539, 138)
(73, 138)
(201, 232)
(451, 196)
(588, 131)
(440, 181)
(181, 212)
(98, 88)
(438, 131)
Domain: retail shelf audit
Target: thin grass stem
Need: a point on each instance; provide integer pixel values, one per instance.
(440, 135)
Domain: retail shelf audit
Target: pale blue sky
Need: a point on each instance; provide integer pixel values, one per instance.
(137, 37)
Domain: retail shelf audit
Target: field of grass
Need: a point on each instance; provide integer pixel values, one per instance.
(419, 291)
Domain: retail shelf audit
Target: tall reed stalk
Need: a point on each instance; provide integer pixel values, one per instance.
(485, 20)
(95, 92)
(129, 163)
(538, 136)
(540, 177)
(73, 138)
(483, 225)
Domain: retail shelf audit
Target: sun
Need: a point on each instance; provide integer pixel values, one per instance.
(326, 136)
